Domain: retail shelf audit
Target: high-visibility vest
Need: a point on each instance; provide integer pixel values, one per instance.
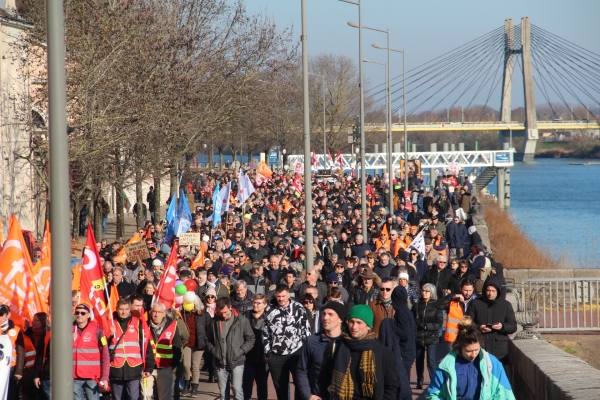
(379, 243)
(435, 242)
(29, 352)
(163, 347)
(86, 352)
(128, 350)
(398, 244)
(455, 313)
(46, 341)
(13, 334)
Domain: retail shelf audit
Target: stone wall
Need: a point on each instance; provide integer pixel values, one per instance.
(543, 371)
(519, 274)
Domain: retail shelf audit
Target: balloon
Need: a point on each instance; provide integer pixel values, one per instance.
(178, 282)
(180, 289)
(178, 299)
(189, 297)
(191, 284)
(188, 306)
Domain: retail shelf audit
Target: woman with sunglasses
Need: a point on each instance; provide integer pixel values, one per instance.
(210, 306)
(417, 263)
(429, 321)
(308, 301)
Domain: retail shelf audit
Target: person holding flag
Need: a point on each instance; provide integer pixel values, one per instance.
(17, 358)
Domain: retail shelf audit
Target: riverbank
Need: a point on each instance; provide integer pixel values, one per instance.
(510, 246)
(568, 150)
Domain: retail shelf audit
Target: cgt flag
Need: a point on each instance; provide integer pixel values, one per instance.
(298, 183)
(93, 284)
(165, 292)
(42, 270)
(18, 289)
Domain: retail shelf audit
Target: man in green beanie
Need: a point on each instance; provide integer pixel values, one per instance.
(362, 367)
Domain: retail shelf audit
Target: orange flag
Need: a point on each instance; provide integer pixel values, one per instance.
(76, 282)
(148, 234)
(122, 254)
(42, 271)
(199, 260)
(385, 229)
(93, 284)
(18, 289)
(287, 205)
(114, 297)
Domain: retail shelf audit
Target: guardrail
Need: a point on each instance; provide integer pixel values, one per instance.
(564, 304)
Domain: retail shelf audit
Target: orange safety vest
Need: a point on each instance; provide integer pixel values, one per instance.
(13, 334)
(29, 352)
(46, 341)
(444, 252)
(379, 244)
(455, 313)
(128, 350)
(163, 348)
(86, 352)
(398, 244)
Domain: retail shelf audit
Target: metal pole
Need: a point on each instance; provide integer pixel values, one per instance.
(363, 175)
(307, 167)
(61, 363)
(324, 136)
(405, 135)
(389, 124)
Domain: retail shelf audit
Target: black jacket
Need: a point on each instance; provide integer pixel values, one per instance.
(405, 325)
(242, 305)
(441, 280)
(359, 296)
(239, 341)
(484, 311)
(256, 355)
(428, 320)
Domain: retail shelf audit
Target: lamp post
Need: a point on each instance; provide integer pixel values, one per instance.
(308, 234)
(324, 136)
(363, 172)
(61, 363)
(377, 46)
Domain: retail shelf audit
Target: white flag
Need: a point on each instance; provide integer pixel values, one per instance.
(245, 187)
(418, 244)
(222, 203)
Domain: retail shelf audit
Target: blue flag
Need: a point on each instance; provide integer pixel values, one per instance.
(183, 216)
(171, 209)
(215, 219)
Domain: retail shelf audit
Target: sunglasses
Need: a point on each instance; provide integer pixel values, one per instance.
(333, 283)
(308, 301)
(210, 297)
(82, 313)
(413, 254)
(385, 289)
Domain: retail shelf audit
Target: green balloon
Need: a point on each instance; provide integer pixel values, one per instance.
(181, 289)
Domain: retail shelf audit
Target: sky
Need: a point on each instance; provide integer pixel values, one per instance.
(426, 29)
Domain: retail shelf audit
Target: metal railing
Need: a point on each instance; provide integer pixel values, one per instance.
(564, 304)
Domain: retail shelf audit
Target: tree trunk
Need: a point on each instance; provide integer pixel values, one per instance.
(75, 226)
(97, 196)
(139, 199)
(220, 159)
(120, 211)
(211, 157)
(157, 214)
(174, 183)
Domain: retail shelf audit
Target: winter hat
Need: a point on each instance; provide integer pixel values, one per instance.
(213, 271)
(333, 277)
(211, 292)
(403, 275)
(339, 308)
(472, 230)
(157, 263)
(362, 312)
(225, 270)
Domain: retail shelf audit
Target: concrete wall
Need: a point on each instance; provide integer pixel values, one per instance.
(542, 371)
(519, 274)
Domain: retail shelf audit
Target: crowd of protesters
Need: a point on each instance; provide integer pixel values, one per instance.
(350, 328)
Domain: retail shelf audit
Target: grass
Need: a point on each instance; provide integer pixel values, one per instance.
(510, 245)
(569, 350)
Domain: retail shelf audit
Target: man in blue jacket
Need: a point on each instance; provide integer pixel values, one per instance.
(318, 353)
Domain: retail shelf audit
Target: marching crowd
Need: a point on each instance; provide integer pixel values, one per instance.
(375, 303)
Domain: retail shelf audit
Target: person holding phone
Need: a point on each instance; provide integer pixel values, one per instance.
(494, 317)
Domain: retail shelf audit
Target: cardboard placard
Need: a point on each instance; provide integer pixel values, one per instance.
(137, 252)
(189, 239)
(77, 249)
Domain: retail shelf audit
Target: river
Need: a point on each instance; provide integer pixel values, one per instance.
(557, 205)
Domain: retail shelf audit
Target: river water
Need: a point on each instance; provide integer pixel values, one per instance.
(557, 205)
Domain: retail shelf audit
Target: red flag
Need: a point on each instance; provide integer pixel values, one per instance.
(314, 160)
(298, 183)
(17, 285)
(93, 283)
(329, 159)
(165, 293)
(339, 161)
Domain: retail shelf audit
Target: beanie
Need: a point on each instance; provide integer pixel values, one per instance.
(362, 312)
(339, 308)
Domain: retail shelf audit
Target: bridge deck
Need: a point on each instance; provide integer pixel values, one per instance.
(483, 126)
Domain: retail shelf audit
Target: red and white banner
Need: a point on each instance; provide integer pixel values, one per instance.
(298, 183)
(339, 161)
(165, 292)
(407, 201)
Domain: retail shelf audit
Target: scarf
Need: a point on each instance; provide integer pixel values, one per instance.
(158, 328)
(342, 385)
(386, 303)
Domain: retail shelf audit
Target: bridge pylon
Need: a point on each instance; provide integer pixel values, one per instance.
(530, 134)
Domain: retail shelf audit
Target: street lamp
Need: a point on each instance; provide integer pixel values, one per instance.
(363, 177)
(389, 109)
(377, 46)
(324, 137)
(308, 234)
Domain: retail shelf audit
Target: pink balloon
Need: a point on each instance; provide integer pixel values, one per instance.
(178, 299)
